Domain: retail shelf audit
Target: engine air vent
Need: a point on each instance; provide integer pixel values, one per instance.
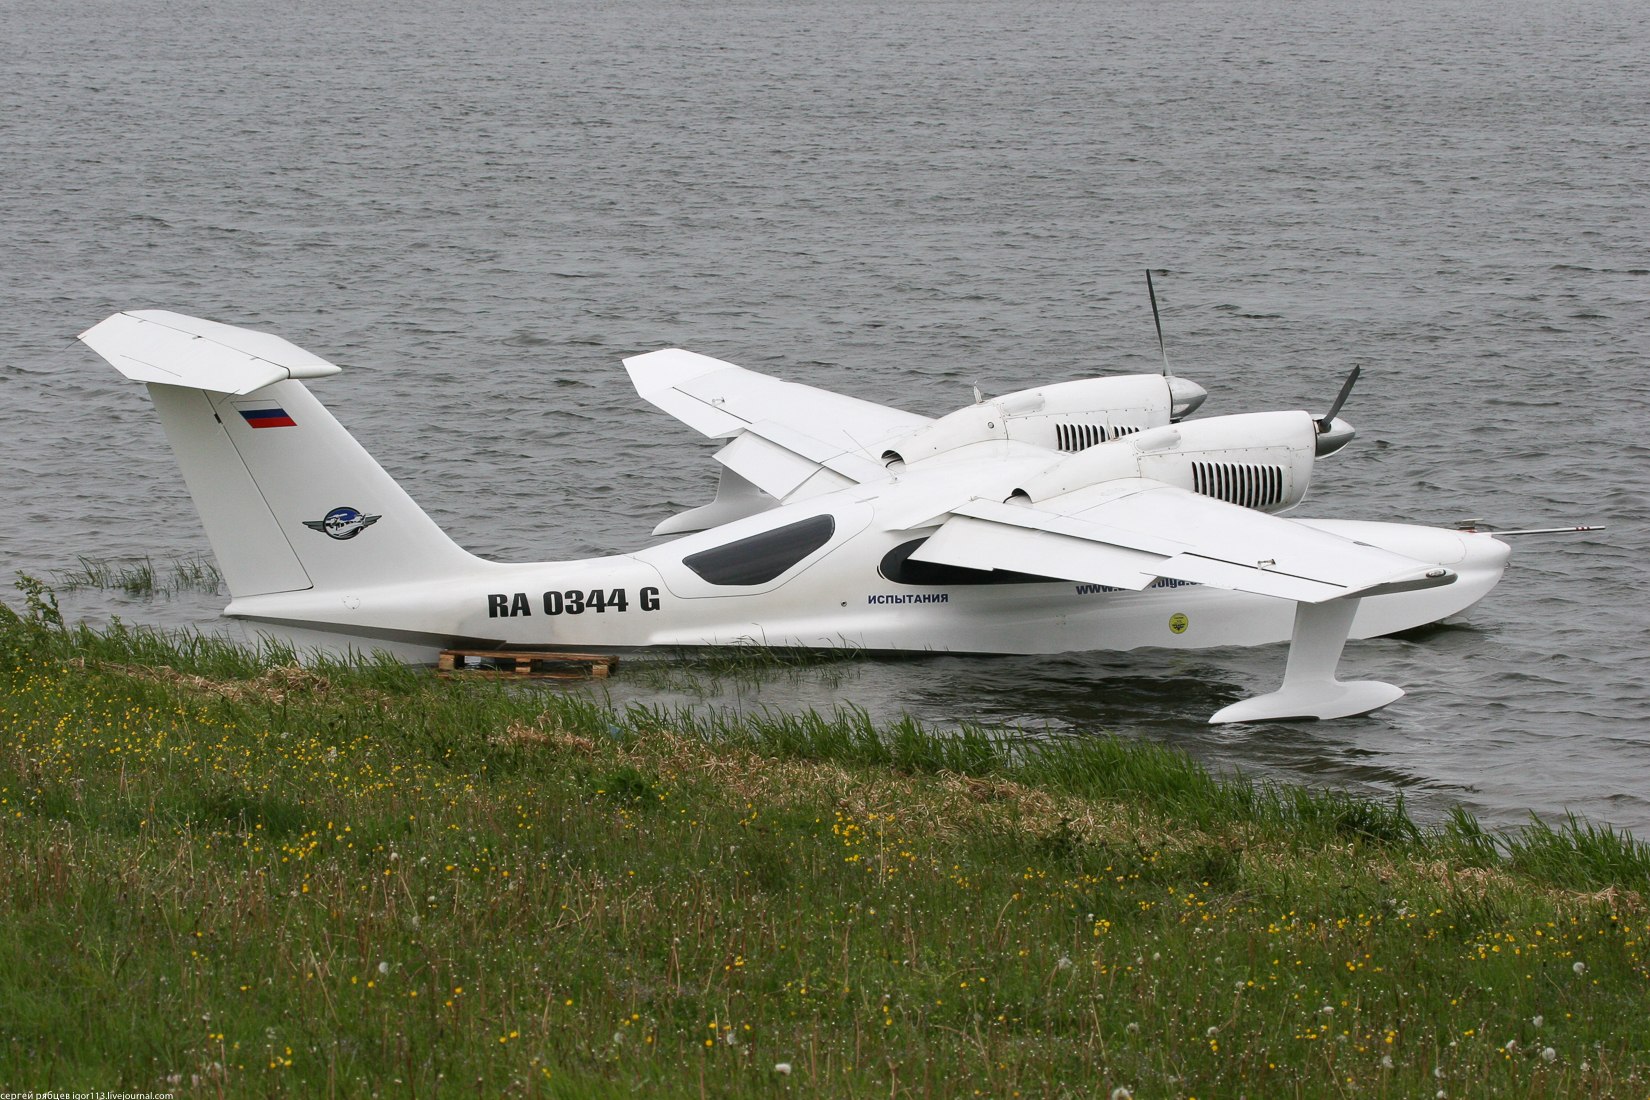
(1246, 484)
(1078, 437)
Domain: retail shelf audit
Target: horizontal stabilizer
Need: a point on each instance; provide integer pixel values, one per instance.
(156, 345)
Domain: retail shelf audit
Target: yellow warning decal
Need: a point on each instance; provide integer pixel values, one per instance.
(1178, 623)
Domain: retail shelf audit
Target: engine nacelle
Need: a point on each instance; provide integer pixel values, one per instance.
(1065, 416)
(1257, 460)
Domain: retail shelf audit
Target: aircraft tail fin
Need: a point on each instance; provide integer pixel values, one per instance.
(289, 499)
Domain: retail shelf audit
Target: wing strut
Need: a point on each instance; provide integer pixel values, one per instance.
(1310, 689)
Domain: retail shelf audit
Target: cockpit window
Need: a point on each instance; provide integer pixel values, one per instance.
(760, 558)
(898, 567)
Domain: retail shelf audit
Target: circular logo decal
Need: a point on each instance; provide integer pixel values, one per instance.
(1178, 623)
(342, 523)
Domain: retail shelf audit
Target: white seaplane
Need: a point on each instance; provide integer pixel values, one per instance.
(1083, 515)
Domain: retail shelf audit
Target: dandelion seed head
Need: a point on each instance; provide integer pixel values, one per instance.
(1386, 1061)
(1512, 1045)
(1579, 967)
(1121, 1093)
(1548, 1054)
(383, 968)
(782, 1068)
(1538, 1020)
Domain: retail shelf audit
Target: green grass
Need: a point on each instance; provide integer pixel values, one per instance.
(139, 577)
(704, 673)
(226, 875)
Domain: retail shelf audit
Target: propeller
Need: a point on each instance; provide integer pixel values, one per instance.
(1158, 321)
(1184, 396)
(1334, 433)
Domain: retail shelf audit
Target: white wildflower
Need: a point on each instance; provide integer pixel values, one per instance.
(782, 1068)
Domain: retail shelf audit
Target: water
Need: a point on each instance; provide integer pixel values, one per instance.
(479, 209)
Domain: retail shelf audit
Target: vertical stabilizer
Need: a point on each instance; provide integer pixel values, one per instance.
(289, 499)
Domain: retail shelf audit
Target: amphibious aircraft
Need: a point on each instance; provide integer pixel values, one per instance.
(1081, 515)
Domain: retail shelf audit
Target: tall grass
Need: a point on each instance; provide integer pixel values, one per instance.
(227, 875)
(140, 576)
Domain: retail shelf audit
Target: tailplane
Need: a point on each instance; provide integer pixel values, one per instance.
(289, 499)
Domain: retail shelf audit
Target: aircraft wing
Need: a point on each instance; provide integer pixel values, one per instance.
(1130, 532)
(783, 433)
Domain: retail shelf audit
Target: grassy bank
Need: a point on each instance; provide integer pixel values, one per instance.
(223, 874)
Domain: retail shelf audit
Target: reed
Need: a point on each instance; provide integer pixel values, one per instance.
(140, 577)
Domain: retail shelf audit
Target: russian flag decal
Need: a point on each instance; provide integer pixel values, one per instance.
(267, 416)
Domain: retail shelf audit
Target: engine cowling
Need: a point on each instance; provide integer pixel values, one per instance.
(1257, 460)
(1066, 416)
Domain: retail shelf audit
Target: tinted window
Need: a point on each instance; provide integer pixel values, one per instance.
(760, 558)
(898, 567)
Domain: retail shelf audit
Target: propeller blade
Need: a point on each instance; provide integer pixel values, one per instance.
(1158, 321)
(1340, 399)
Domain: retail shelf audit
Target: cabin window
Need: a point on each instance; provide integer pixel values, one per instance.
(898, 567)
(760, 558)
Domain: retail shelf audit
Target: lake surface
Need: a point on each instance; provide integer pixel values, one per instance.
(480, 208)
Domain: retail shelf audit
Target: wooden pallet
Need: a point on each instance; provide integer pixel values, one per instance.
(526, 663)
